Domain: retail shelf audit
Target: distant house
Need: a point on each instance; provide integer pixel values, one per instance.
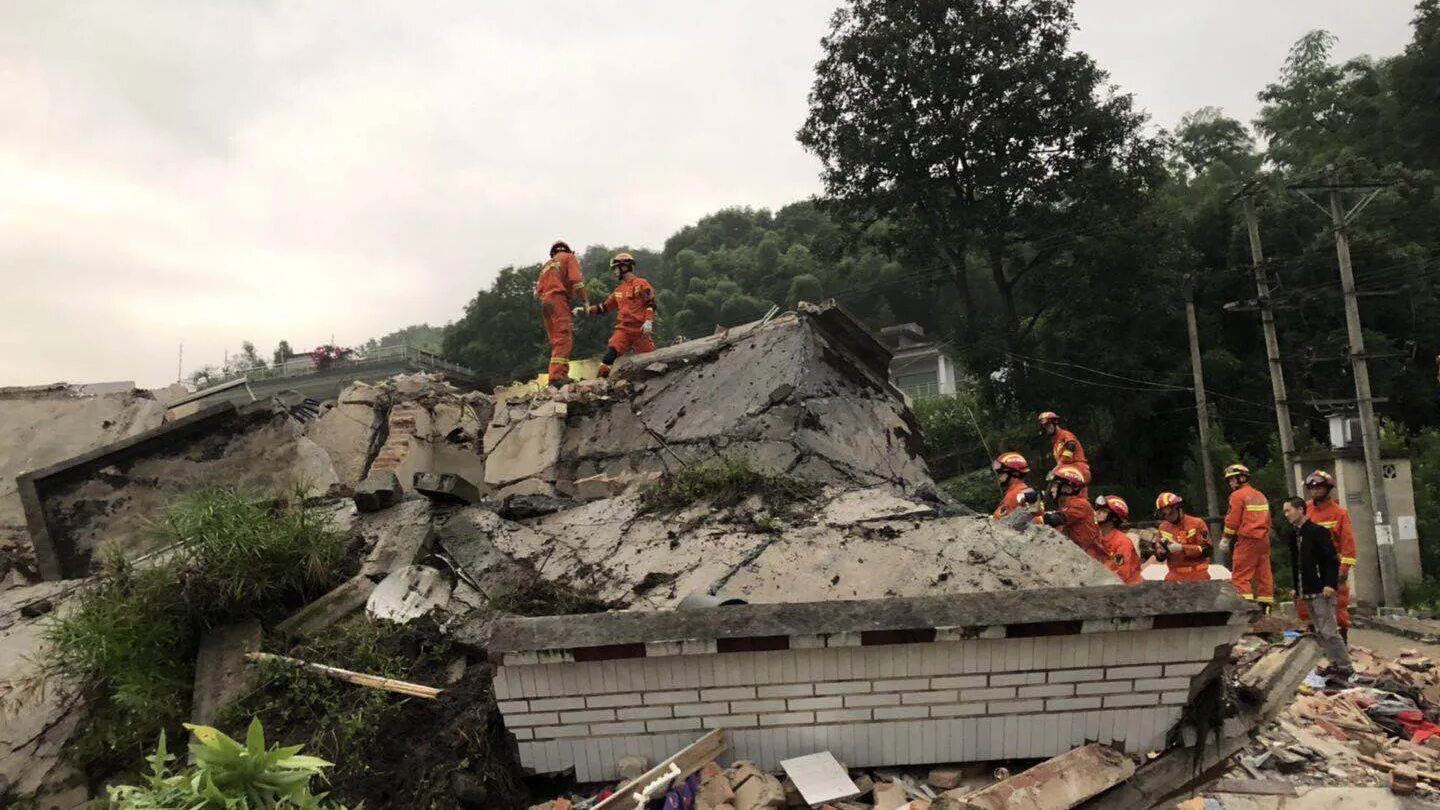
(920, 366)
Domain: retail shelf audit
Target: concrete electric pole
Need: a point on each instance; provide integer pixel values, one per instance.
(1272, 348)
(1202, 408)
(1369, 428)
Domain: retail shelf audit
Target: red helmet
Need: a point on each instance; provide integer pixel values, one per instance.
(1068, 473)
(1115, 505)
(560, 245)
(1235, 470)
(1165, 500)
(1011, 462)
(1046, 417)
(1320, 478)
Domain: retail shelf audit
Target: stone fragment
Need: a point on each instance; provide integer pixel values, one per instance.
(944, 778)
(523, 506)
(1404, 781)
(379, 490)
(446, 488)
(890, 796)
(528, 449)
(657, 368)
(220, 669)
(632, 767)
(758, 791)
(397, 537)
(337, 605)
(408, 593)
(346, 433)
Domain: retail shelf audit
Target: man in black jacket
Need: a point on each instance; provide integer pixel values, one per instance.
(1317, 575)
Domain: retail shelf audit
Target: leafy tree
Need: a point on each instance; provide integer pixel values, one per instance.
(283, 352)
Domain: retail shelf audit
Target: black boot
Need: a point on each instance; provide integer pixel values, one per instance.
(1345, 635)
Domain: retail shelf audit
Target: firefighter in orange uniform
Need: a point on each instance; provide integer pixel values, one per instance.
(1064, 446)
(1184, 541)
(634, 299)
(1323, 509)
(1010, 470)
(1121, 557)
(559, 283)
(1073, 516)
(1247, 525)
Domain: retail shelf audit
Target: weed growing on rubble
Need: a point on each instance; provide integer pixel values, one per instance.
(129, 645)
(727, 483)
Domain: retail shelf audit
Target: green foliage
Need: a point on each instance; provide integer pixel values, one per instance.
(727, 483)
(418, 336)
(225, 775)
(130, 642)
(975, 489)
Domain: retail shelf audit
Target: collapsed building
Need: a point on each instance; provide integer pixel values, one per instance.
(858, 610)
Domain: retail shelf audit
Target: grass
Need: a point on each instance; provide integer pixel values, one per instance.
(727, 483)
(130, 643)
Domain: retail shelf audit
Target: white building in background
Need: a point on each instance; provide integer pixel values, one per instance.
(920, 367)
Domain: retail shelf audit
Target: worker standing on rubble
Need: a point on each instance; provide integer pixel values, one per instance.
(1063, 445)
(1072, 513)
(634, 299)
(1184, 541)
(559, 283)
(1324, 510)
(1247, 525)
(1010, 470)
(1317, 579)
(1111, 512)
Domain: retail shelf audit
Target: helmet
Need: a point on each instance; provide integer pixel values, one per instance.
(1115, 505)
(1237, 469)
(1068, 473)
(623, 260)
(1011, 462)
(559, 246)
(1320, 478)
(1165, 500)
(1049, 416)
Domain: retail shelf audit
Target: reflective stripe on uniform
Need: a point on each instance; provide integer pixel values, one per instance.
(1269, 600)
(1347, 560)
(1229, 530)
(1264, 507)
(560, 361)
(1329, 524)
(1248, 597)
(1167, 535)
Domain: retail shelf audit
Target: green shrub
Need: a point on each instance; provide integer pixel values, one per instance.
(726, 483)
(130, 642)
(225, 774)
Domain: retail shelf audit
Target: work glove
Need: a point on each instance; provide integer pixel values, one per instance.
(1174, 548)
(578, 311)
(1224, 545)
(1029, 497)
(648, 327)
(1054, 519)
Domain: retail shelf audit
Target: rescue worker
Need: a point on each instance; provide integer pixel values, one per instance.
(1247, 526)
(559, 283)
(1010, 470)
(1073, 515)
(1324, 510)
(634, 299)
(1184, 541)
(1111, 512)
(1064, 446)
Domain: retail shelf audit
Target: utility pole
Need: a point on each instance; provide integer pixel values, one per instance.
(1272, 347)
(180, 365)
(1202, 408)
(1369, 429)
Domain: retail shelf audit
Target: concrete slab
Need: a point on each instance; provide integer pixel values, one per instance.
(221, 674)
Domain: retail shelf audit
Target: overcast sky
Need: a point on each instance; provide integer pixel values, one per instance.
(210, 172)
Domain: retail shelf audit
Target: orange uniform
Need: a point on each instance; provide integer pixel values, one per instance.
(1120, 555)
(1067, 450)
(1192, 563)
(1080, 526)
(1334, 517)
(634, 300)
(560, 281)
(1247, 525)
(1010, 501)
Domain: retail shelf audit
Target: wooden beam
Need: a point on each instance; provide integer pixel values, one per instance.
(688, 760)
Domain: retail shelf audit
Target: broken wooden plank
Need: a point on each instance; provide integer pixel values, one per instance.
(357, 678)
(1253, 787)
(1059, 783)
(686, 761)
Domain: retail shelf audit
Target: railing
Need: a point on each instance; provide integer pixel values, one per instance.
(305, 365)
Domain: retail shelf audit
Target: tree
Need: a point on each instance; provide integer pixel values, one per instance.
(977, 123)
(804, 288)
(283, 352)
(248, 358)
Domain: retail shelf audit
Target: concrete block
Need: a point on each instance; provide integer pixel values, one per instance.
(1073, 704)
(673, 724)
(1130, 673)
(958, 682)
(533, 719)
(787, 719)
(380, 490)
(1186, 670)
(644, 713)
(513, 706)
(902, 685)
(1074, 675)
(1130, 700)
(811, 704)
(701, 709)
(340, 603)
(731, 721)
(998, 693)
(446, 488)
(745, 706)
(860, 701)
(729, 693)
(221, 669)
(588, 716)
(678, 696)
(609, 729)
(612, 701)
(849, 687)
(901, 712)
(944, 696)
(523, 450)
(633, 767)
(1105, 688)
(842, 716)
(1175, 698)
(1014, 706)
(556, 732)
(1017, 679)
(1046, 690)
(1161, 684)
(958, 710)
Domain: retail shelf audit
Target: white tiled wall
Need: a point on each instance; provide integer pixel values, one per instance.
(871, 706)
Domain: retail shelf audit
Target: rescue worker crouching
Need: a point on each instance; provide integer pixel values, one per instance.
(1324, 510)
(634, 299)
(1111, 512)
(559, 283)
(1073, 516)
(1247, 525)
(1010, 470)
(1184, 541)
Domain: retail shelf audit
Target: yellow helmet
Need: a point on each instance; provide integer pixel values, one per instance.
(1235, 470)
(623, 260)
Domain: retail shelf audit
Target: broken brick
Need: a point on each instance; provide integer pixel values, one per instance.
(944, 779)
